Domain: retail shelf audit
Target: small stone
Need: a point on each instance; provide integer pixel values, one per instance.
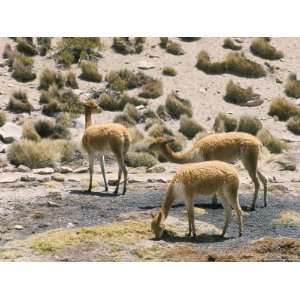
(18, 227)
(134, 181)
(43, 171)
(70, 225)
(52, 204)
(72, 179)
(81, 170)
(8, 179)
(144, 65)
(160, 180)
(22, 168)
(43, 178)
(65, 170)
(156, 169)
(112, 182)
(58, 178)
(28, 178)
(10, 132)
(278, 80)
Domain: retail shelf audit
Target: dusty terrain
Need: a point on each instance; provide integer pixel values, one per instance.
(50, 217)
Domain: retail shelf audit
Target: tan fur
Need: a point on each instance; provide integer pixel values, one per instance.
(105, 138)
(221, 146)
(202, 178)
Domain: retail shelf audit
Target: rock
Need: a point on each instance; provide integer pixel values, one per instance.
(8, 179)
(131, 180)
(140, 107)
(52, 204)
(70, 225)
(64, 170)
(278, 80)
(156, 169)
(18, 227)
(145, 65)
(112, 182)
(58, 178)
(253, 103)
(81, 170)
(160, 180)
(72, 179)
(2, 147)
(9, 169)
(298, 76)
(10, 132)
(288, 161)
(43, 178)
(28, 178)
(22, 168)
(43, 171)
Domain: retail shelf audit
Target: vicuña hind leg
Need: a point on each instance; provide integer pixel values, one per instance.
(264, 181)
(102, 164)
(191, 218)
(227, 210)
(122, 169)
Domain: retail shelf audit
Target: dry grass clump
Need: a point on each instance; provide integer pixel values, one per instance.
(51, 77)
(176, 106)
(163, 42)
(229, 44)
(136, 135)
(124, 119)
(292, 88)
(125, 80)
(140, 159)
(169, 71)
(18, 102)
(150, 114)
(125, 45)
(26, 47)
(237, 95)
(73, 49)
(33, 154)
(293, 124)
(174, 48)
(71, 80)
(283, 109)
(158, 129)
(190, 127)
(225, 123)
(56, 100)
(132, 112)
(162, 113)
(21, 67)
(249, 124)
(44, 44)
(2, 118)
(273, 144)
(152, 89)
(261, 47)
(89, 71)
(234, 63)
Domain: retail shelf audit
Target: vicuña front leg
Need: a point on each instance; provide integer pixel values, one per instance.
(91, 170)
(102, 164)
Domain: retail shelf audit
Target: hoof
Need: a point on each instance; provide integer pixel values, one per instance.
(188, 234)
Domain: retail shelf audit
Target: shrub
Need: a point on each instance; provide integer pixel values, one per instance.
(179, 142)
(72, 49)
(169, 71)
(293, 124)
(50, 77)
(125, 46)
(125, 79)
(229, 44)
(283, 109)
(140, 159)
(273, 144)
(162, 113)
(19, 103)
(135, 134)
(71, 80)
(33, 154)
(52, 108)
(2, 118)
(153, 89)
(292, 88)
(67, 150)
(64, 119)
(249, 124)
(132, 100)
(44, 45)
(176, 106)
(26, 47)
(159, 129)
(174, 48)
(89, 72)
(52, 93)
(234, 63)
(44, 127)
(150, 114)
(237, 95)
(22, 68)
(29, 132)
(132, 112)
(124, 119)
(225, 123)
(190, 127)
(262, 48)
(163, 42)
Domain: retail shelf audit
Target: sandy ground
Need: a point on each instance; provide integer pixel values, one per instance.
(27, 203)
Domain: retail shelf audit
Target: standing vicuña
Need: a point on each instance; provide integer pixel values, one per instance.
(104, 138)
(202, 178)
(221, 146)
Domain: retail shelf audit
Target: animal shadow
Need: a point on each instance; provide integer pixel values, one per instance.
(99, 194)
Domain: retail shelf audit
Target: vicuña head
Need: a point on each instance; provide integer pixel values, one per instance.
(156, 226)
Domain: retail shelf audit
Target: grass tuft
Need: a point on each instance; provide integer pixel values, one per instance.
(176, 106)
(261, 47)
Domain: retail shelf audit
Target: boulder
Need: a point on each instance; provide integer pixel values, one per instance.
(8, 179)
(58, 177)
(22, 168)
(156, 169)
(145, 65)
(81, 170)
(10, 132)
(43, 171)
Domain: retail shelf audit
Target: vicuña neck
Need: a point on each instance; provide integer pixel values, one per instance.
(179, 158)
(88, 118)
(168, 201)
